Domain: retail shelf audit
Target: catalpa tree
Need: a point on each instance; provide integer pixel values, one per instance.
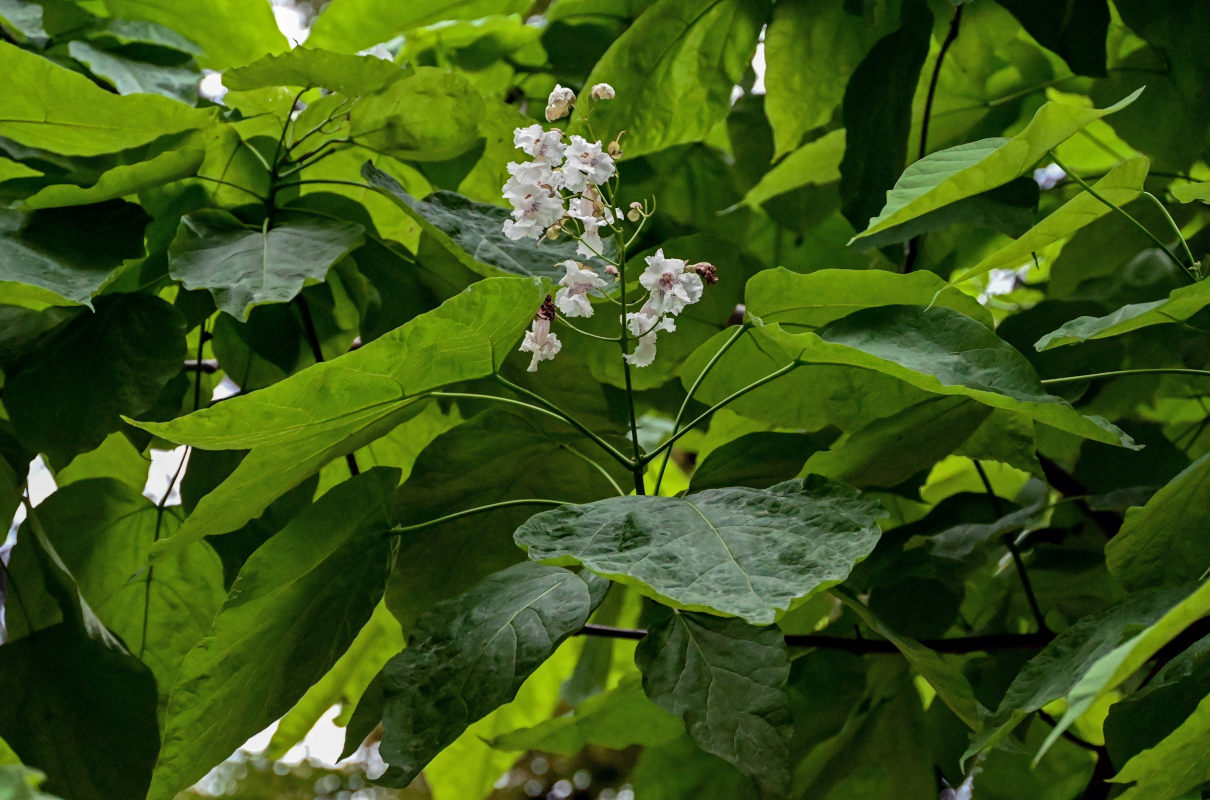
(724, 398)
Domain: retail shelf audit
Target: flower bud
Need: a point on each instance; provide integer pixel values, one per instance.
(547, 309)
(705, 270)
(602, 91)
(636, 211)
(611, 271)
(559, 104)
(554, 231)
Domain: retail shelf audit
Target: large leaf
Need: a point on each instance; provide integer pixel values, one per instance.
(1075, 29)
(471, 655)
(121, 181)
(736, 551)
(104, 529)
(1181, 304)
(1119, 186)
(308, 68)
(429, 115)
(813, 164)
(351, 25)
(243, 268)
(877, 113)
(472, 233)
(70, 114)
(1162, 542)
(299, 424)
(811, 49)
(33, 251)
(727, 681)
(229, 32)
(673, 71)
(69, 395)
(1175, 765)
(616, 719)
(132, 76)
(296, 606)
(80, 712)
(1117, 665)
(1057, 669)
(936, 349)
(958, 172)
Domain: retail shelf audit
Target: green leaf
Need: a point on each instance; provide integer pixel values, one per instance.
(811, 49)
(121, 181)
(814, 164)
(1160, 543)
(726, 680)
(937, 350)
(757, 460)
(1120, 185)
(673, 71)
(952, 686)
(243, 268)
(352, 25)
(117, 32)
(471, 655)
(429, 115)
(1181, 304)
(890, 450)
(295, 607)
(877, 113)
(681, 769)
(23, 17)
(794, 300)
(80, 712)
(299, 424)
(69, 114)
(617, 719)
(18, 782)
(958, 172)
(344, 684)
(1055, 671)
(1188, 192)
(131, 76)
(737, 551)
(473, 232)
(1175, 765)
(1116, 666)
(229, 32)
(1075, 29)
(34, 252)
(308, 67)
(103, 529)
(69, 395)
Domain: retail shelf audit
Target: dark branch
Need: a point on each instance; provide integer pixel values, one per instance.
(304, 312)
(966, 644)
(206, 365)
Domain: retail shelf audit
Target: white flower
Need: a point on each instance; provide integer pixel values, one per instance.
(593, 216)
(586, 164)
(535, 209)
(545, 146)
(671, 287)
(1048, 177)
(646, 326)
(534, 172)
(541, 342)
(558, 105)
(572, 299)
(602, 91)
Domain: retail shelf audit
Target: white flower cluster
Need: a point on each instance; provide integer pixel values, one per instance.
(559, 191)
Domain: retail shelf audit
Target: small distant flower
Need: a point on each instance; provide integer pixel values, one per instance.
(586, 164)
(538, 339)
(560, 102)
(671, 287)
(705, 270)
(1048, 177)
(545, 146)
(572, 298)
(602, 91)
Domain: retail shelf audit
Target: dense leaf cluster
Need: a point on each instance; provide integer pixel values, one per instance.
(914, 498)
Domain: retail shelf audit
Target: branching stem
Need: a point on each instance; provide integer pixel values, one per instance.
(400, 529)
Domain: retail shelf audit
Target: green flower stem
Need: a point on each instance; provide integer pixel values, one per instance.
(701, 377)
(1118, 209)
(400, 529)
(729, 398)
(597, 466)
(243, 189)
(1121, 372)
(1177, 230)
(583, 332)
(638, 464)
(549, 408)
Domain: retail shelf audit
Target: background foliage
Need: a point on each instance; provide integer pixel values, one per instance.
(933, 453)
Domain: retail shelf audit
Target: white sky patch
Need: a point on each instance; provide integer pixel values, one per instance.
(226, 388)
(164, 465)
(291, 21)
(211, 86)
